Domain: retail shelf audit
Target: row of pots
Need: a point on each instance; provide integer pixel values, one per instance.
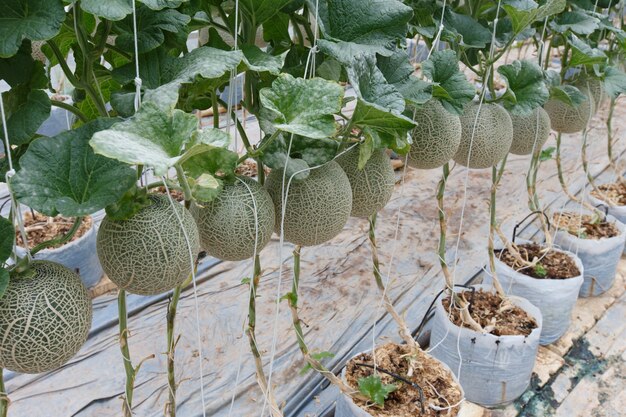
(495, 370)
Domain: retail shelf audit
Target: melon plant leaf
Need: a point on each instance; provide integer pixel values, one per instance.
(63, 175)
(162, 4)
(567, 94)
(205, 188)
(7, 238)
(450, 85)
(207, 168)
(153, 137)
(465, 30)
(151, 28)
(25, 117)
(583, 54)
(373, 388)
(37, 20)
(398, 71)
(152, 67)
(109, 9)
(614, 82)
(4, 281)
(575, 21)
(551, 7)
(130, 203)
(261, 11)
(526, 88)
(303, 107)
(370, 85)
(213, 137)
(521, 12)
(260, 61)
(22, 69)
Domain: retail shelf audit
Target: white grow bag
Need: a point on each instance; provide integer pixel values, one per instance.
(599, 257)
(619, 212)
(494, 370)
(345, 407)
(555, 298)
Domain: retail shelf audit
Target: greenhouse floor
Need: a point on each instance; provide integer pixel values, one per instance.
(584, 372)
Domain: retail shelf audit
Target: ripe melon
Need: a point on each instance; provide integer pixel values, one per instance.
(317, 207)
(570, 119)
(489, 133)
(148, 254)
(227, 224)
(530, 131)
(436, 137)
(595, 88)
(45, 317)
(371, 186)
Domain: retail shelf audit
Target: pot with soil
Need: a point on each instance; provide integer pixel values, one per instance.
(615, 195)
(79, 254)
(598, 243)
(552, 284)
(494, 367)
(414, 383)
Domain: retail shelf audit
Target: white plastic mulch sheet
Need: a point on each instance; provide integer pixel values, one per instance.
(599, 256)
(493, 370)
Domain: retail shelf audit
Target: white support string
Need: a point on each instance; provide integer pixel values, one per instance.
(138, 81)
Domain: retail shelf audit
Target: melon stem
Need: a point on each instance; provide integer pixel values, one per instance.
(534, 203)
(610, 142)
(404, 331)
(4, 398)
(128, 365)
(496, 175)
(59, 240)
(315, 364)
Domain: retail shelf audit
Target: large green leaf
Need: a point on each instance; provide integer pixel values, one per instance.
(37, 20)
(567, 94)
(106, 87)
(153, 137)
(151, 28)
(466, 30)
(109, 9)
(260, 61)
(523, 12)
(526, 88)
(575, 21)
(259, 11)
(22, 69)
(398, 71)
(162, 4)
(450, 84)
(352, 27)
(303, 107)
(614, 82)
(370, 85)
(25, 117)
(583, 54)
(7, 238)
(63, 175)
(208, 166)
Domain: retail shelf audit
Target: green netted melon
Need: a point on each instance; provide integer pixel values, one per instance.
(486, 136)
(565, 118)
(371, 186)
(45, 317)
(530, 131)
(227, 224)
(317, 208)
(436, 137)
(595, 88)
(148, 253)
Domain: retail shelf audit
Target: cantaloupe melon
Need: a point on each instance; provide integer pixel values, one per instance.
(148, 254)
(488, 133)
(530, 131)
(595, 88)
(436, 137)
(45, 317)
(371, 186)
(317, 207)
(227, 224)
(565, 118)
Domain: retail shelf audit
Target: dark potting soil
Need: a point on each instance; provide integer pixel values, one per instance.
(585, 226)
(40, 228)
(614, 193)
(497, 316)
(415, 366)
(552, 264)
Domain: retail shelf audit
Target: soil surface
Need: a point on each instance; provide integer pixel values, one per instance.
(177, 195)
(40, 228)
(439, 388)
(495, 315)
(249, 168)
(614, 193)
(552, 264)
(585, 226)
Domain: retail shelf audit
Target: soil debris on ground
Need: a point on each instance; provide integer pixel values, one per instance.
(249, 168)
(585, 226)
(416, 366)
(614, 193)
(40, 228)
(177, 195)
(496, 315)
(551, 264)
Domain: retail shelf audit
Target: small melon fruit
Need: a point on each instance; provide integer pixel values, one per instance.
(227, 224)
(436, 137)
(489, 133)
(148, 253)
(530, 131)
(45, 317)
(565, 118)
(318, 206)
(371, 186)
